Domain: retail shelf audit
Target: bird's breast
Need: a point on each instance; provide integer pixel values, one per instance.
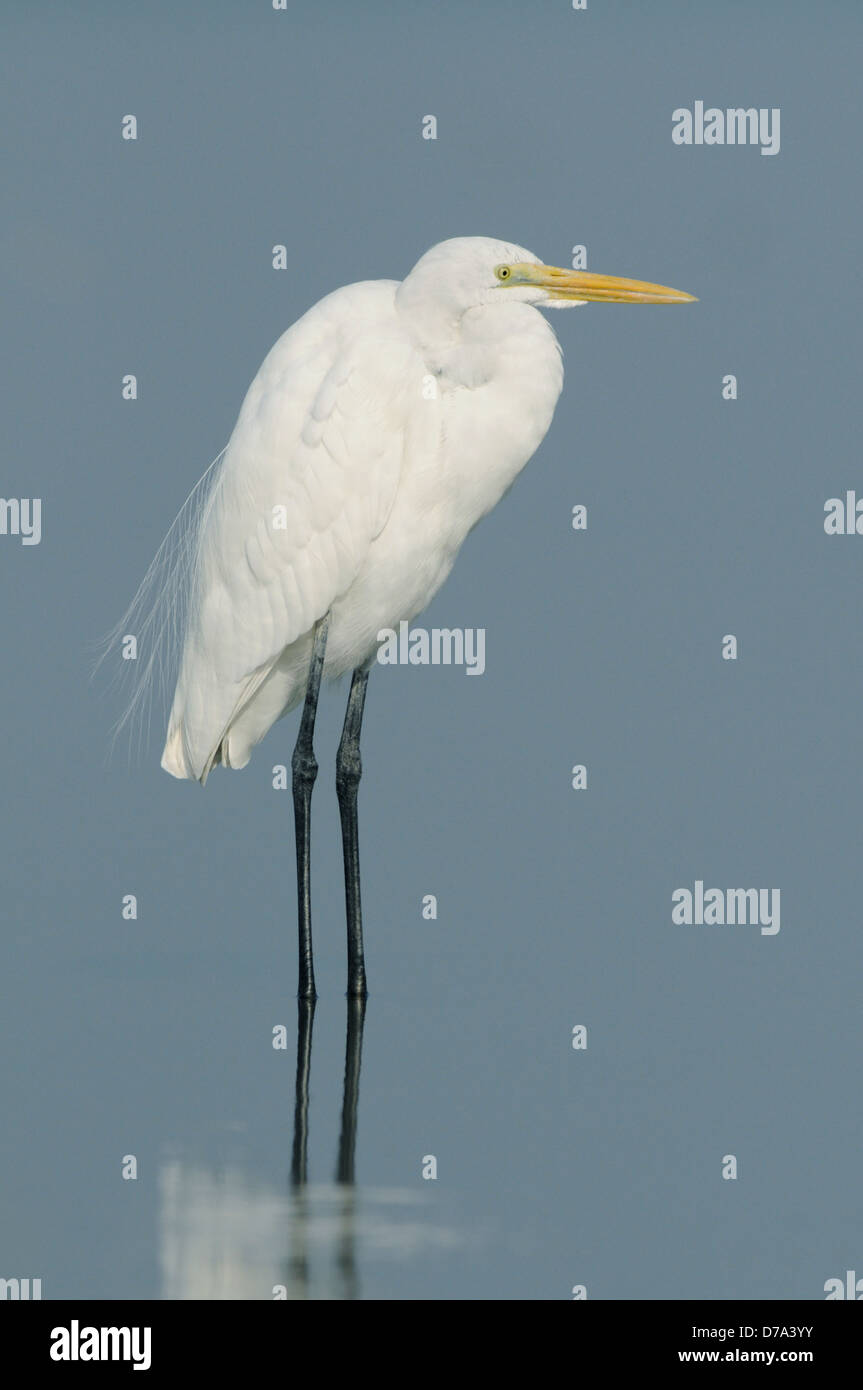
(465, 445)
(498, 393)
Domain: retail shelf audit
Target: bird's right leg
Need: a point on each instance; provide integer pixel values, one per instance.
(348, 771)
(305, 770)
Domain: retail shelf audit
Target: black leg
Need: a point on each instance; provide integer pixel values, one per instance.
(348, 771)
(305, 770)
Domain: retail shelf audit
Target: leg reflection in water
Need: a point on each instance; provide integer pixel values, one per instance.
(346, 1255)
(228, 1231)
(298, 1260)
(348, 1282)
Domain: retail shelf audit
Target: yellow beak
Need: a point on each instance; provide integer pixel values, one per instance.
(585, 287)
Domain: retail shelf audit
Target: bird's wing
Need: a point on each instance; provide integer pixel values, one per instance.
(307, 483)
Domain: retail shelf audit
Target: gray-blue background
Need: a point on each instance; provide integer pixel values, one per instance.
(706, 517)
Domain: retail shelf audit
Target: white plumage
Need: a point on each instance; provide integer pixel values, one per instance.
(373, 438)
(379, 430)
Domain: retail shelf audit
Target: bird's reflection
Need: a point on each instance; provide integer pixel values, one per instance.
(346, 1264)
(351, 1091)
(225, 1235)
(299, 1155)
(298, 1259)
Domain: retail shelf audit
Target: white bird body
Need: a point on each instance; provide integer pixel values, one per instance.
(381, 427)
(379, 430)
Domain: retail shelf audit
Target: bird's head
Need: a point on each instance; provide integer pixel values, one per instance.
(470, 272)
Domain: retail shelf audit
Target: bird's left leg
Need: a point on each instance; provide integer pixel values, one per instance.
(305, 770)
(348, 771)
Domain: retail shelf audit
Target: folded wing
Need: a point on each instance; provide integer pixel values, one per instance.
(306, 484)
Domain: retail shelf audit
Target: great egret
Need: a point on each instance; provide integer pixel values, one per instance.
(380, 428)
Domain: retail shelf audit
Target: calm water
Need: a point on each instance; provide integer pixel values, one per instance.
(152, 1037)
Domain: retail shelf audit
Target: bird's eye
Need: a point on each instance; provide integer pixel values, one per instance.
(502, 272)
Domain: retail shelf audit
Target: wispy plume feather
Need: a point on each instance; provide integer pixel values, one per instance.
(156, 617)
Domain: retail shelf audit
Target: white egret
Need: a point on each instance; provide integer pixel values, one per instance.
(379, 430)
